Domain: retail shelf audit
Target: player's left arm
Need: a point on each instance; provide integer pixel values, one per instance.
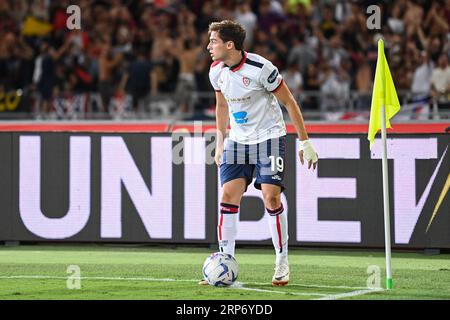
(284, 95)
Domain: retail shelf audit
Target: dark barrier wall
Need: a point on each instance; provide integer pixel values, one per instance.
(135, 187)
(6, 170)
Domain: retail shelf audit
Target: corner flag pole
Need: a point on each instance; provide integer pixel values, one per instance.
(384, 106)
(387, 222)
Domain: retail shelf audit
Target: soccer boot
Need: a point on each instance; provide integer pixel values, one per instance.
(281, 276)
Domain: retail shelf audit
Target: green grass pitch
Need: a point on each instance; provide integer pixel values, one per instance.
(172, 273)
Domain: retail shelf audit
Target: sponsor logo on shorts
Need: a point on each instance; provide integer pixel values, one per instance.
(276, 177)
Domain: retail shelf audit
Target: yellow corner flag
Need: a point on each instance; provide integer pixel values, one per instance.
(383, 94)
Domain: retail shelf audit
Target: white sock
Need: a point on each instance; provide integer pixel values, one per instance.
(228, 227)
(279, 231)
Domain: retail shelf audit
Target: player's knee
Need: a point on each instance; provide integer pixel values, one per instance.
(230, 198)
(272, 202)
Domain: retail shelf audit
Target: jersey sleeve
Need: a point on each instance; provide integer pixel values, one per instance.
(214, 76)
(270, 77)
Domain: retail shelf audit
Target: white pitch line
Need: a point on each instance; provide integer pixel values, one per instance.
(350, 294)
(236, 286)
(239, 285)
(312, 286)
(168, 280)
(98, 278)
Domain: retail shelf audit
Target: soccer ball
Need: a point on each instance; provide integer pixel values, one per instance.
(220, 269)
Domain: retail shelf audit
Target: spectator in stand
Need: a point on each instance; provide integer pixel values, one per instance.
(328, 25)
(440, 80)
(334, 87)
(413, 17)
(435, 49)
(137, 80)
(244, 15)
(311, 84)
(342, 11)
(44, 72)
(301, 54)
(395, 20)
(187, 52)
(363, 83)
(166, 66)
(293, 79)
(16, 61)
(421, 83)
(436, 20)
(264, 46)
(11, 14)
(206, 16)
(267, 18)
(333, 51)
(108, 63)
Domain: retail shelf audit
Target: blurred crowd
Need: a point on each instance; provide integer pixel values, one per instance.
(148, 49)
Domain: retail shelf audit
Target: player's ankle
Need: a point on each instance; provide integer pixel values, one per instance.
(281, 258)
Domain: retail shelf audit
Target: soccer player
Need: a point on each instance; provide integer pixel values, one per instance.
(248, 88)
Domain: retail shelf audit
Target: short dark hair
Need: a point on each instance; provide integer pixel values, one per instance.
(229, 31)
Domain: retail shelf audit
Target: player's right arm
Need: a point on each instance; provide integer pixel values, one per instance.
(222, 117)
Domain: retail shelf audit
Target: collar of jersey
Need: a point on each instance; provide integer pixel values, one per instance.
(236, 67)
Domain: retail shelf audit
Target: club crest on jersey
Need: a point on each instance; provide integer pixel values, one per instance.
(272, 76)
(245, 81)
(240, 117)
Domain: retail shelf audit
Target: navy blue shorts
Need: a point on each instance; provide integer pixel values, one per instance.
(241, 160)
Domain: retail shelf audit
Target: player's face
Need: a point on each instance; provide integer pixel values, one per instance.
(216, 47)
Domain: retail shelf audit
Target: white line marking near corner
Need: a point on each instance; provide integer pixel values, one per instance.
(350, 294)
(313, 286)
(238, 285)
(98, 278)
(171, 280)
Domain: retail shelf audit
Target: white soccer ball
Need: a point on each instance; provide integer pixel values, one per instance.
(220, 269)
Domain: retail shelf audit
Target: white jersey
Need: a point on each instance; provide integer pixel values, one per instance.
(255, 114)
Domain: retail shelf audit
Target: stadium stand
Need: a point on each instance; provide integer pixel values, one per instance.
(147, 59)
